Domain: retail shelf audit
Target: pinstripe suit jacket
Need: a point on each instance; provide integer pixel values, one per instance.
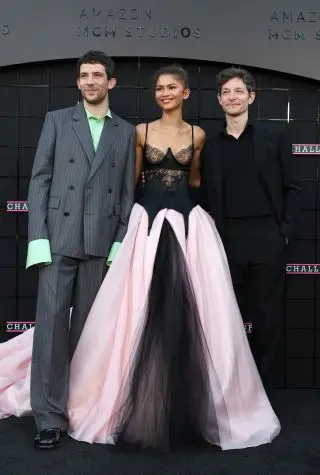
(80, 199)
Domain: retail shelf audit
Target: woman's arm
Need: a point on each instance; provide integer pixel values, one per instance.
(199, 139)
(141, 135)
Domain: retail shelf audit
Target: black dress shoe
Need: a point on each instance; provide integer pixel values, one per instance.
(48, 439)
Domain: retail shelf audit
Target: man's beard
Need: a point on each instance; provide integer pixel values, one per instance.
(95, 102)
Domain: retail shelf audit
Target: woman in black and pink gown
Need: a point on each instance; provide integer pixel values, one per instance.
(163, 358)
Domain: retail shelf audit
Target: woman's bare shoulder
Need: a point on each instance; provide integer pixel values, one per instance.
(199, 135)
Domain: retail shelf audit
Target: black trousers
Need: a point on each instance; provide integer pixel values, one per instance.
(256, 252)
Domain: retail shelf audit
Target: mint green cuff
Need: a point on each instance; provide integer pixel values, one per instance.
(113, 252)
(38, 252)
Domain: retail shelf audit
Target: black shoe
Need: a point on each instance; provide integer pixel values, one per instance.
(48, 439)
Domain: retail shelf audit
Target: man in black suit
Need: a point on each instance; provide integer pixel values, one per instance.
(250, 187)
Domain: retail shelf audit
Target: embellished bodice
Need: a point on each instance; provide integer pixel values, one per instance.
(165, 166)
(166, 180)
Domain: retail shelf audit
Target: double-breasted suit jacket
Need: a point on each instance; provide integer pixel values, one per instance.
(80, 199)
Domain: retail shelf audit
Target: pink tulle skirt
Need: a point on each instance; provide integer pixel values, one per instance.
(237, 413)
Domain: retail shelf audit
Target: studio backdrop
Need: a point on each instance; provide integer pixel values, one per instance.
(278, 41)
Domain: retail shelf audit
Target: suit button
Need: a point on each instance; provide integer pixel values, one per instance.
(71, 160)
(110, 190)
(113, 164)
(66, 214)
(71, 187)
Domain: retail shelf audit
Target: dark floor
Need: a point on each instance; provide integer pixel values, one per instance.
(296, 451)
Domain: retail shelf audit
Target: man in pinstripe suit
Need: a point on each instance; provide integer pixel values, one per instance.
(80, 197)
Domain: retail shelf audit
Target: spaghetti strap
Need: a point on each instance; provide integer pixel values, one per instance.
(192, 132)
(145, 139)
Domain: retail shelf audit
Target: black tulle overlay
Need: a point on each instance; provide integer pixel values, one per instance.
(170, 369)
(169, 395)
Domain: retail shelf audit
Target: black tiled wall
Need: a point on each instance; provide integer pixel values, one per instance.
(28, 91)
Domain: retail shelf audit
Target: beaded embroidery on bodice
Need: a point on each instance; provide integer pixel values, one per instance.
(166, 166)
(155, 155)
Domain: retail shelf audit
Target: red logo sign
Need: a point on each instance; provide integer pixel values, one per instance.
(306, 149)
(313, 269)
(17, 207)
(18, 327)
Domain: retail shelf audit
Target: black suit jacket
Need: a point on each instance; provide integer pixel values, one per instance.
(277, 172)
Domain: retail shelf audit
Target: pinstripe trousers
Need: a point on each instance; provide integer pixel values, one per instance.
(67, 282)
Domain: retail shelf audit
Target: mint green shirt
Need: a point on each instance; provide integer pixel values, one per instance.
(96, 126)
(39, 251)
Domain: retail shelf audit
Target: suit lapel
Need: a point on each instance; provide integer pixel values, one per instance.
(261, 146)
(82, 129)
(109, 133)
(217, 164)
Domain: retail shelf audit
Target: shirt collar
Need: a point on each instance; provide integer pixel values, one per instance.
(248, 128)
(91, 116)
